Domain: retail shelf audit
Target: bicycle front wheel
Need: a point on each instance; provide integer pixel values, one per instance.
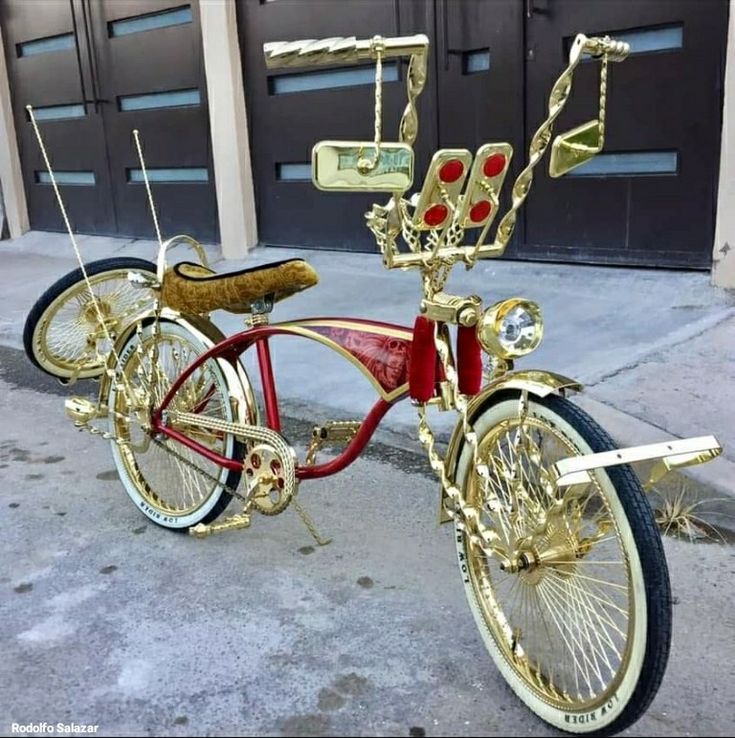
(580, 623)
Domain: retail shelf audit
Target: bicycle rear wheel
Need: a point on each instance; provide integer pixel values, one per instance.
(171, 484)
(63, 335)
(580, 624)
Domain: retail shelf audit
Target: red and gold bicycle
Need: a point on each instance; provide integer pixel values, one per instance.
(557, 545)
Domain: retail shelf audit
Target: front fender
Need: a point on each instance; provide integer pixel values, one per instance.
(534, 381)
(241, 388)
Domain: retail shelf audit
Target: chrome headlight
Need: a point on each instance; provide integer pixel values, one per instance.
(511, 328)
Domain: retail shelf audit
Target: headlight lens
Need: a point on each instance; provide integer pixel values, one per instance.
(511, 328)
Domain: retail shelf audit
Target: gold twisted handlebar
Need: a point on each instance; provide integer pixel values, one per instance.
(337, 50)
(606, 49)
(616, 50)
(388, 222)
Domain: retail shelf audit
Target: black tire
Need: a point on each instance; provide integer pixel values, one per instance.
(647, 543)
(45, 307)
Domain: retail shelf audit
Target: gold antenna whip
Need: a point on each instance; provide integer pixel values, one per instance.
(65, 217)
(136, 136)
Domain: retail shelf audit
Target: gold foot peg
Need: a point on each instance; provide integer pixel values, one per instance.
(234, 522)
(80, 409)
(334, 431)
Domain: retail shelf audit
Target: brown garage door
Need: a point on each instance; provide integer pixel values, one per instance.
(94, 71)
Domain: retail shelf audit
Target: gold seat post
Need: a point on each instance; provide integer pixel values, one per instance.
(260, 309)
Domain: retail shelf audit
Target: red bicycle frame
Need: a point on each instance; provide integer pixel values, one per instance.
(380, 350)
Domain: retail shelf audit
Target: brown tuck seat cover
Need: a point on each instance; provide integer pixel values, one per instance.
(192, 288)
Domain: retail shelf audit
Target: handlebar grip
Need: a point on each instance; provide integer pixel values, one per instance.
(616, 51)
(337, 50)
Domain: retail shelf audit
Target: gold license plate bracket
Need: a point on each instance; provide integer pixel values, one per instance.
(670, 455)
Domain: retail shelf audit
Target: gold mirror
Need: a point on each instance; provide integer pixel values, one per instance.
(575, 147)
(338, 165)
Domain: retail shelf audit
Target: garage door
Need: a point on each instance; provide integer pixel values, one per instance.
(94, 71)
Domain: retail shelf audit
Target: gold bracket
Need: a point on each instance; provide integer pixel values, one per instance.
(452, 309)
(673, 454)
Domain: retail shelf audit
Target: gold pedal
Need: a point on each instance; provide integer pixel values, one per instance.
(80, 409)
(336, 431)
(234, 522)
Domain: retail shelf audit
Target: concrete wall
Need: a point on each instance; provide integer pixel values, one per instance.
(233, 175)
(11, 177)
(723, 254)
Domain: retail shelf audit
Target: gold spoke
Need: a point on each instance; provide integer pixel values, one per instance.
(576, 627)
(579, 670)
(602, 581)
(602, 617)
(579, 562)
(600, 598)
(566, 589)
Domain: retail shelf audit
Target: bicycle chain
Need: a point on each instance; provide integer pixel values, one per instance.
(107, 436)
(247, 500)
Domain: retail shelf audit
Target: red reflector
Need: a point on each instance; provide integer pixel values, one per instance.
(435, 215)
(451, 171)
(480, 210)
(494, 165)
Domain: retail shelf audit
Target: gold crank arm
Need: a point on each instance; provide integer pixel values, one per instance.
(670, 455)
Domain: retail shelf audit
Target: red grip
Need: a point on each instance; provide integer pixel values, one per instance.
(469, 361)
(422, 368)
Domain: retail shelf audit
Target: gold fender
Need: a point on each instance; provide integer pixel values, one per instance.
(241, 389)
(534, 381)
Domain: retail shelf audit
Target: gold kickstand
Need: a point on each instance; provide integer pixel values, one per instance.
(309, 523)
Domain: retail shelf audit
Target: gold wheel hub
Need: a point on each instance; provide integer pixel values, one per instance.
(90, 314)
(555, 551)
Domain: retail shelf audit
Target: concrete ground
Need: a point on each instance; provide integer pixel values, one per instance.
(107, 619)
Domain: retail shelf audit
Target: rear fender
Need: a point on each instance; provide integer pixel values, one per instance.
(241, 389)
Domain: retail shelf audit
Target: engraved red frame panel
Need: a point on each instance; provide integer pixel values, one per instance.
(382, 351)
